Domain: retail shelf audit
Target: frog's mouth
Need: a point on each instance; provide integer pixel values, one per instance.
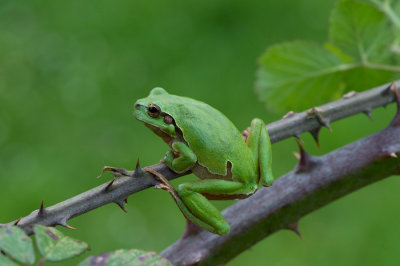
(166, 138)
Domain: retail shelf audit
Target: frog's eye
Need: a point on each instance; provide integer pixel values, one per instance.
(153, 110)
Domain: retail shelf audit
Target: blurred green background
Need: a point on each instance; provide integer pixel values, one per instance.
(70, 72)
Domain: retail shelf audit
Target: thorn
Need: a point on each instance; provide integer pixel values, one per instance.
(349, 94)
(108, 187)
(295, 228)
(393, 155)
(288, 114)
(138, 170)
(327, 125)
(315, 134)
(41, 210)
(137, 164)
(369, 114)
(69, 227)
(316, 112)
(387, 89)
(121, 205)
(63, 222)
(306, 161)
(297, 136)
(396, 119)
(17, 221)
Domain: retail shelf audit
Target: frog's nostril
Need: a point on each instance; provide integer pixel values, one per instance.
(137, 106)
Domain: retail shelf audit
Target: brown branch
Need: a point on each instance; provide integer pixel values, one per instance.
(122, 187)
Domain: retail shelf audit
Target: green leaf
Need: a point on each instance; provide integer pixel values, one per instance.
(295, 75)
(361, 54)
(55, 246)
(391, 8)
(15, 243)
(393, 12)
(4, 261)
(126, 257)
(361, 78)
(361, 31)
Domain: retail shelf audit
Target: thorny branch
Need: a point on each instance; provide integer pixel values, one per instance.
(291, 196)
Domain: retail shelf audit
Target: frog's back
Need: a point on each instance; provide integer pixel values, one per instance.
(208, 131)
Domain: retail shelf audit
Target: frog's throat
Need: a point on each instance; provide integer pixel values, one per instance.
(166, 138)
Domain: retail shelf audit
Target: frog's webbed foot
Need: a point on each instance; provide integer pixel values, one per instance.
(162, 186)
(194, 206)
(164, 183)
(116, 172)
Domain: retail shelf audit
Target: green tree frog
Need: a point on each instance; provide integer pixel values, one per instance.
(206, 142)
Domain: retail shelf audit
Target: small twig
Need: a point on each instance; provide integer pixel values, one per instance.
(138, 180)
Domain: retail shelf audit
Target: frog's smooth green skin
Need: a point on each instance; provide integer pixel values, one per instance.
(206, 142)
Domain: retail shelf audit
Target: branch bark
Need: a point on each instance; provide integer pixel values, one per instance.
(294, 124)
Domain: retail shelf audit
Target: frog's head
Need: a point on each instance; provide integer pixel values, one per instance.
(149, 110)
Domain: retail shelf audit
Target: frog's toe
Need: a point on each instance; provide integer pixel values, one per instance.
(168, 158)
(162, 186)
(116, 172)
(222, 229)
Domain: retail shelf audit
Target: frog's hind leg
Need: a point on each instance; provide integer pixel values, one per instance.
(165, 185)
(260, 145)
(199, 209)
(196, 207)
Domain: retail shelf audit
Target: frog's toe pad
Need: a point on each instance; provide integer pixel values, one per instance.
(162, 186)
(116, 172)
(223, 229)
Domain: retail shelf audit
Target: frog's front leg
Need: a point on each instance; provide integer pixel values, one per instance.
(260, 145)
(185, 159)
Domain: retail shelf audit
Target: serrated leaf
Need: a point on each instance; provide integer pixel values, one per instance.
(4, 261)
(336, 51)
(394, 15)
(295, 75)
(123, 257)
(361, 78)
(55, 246)
(391, 8)
(361, 31)
(15, 243)
(360, 55)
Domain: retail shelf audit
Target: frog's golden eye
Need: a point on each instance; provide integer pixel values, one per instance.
(153, 110)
